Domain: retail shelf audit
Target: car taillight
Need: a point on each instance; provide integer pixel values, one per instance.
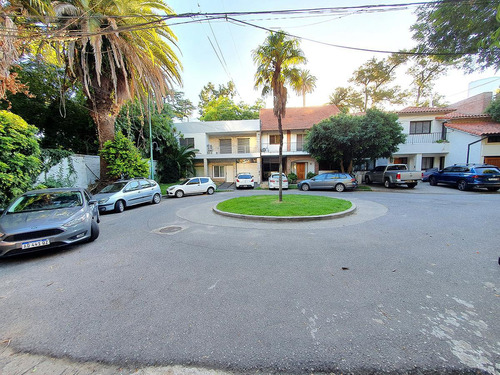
(285, 180)
(476, 176)
(353, 180)
(398, 176)
(251, 180)
(237, 180)
(272, 181)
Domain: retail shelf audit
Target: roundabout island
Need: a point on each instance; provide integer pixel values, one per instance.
(291, 208)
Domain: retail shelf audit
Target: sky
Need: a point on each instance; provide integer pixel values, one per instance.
(219, 51)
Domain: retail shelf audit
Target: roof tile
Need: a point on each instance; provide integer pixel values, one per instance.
(297, 118)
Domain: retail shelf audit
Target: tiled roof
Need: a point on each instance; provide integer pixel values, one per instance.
(476, 128)
(410, 110)
(459, 115)
(297, 118)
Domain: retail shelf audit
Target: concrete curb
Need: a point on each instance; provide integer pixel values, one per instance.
(336, 215)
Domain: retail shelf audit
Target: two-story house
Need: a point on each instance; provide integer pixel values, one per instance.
(296, 123)
(225, 148)
(459, 133)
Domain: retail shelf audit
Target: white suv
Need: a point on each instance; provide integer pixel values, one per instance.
(193, 185)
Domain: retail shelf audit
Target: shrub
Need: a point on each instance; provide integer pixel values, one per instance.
(19, 156)
(123, 158)
(292, 178)
(310, 175)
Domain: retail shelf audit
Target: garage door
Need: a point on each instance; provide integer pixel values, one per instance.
(493, 160)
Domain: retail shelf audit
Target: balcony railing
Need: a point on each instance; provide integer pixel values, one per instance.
(412, 139)
(240, 149)
(287, 147)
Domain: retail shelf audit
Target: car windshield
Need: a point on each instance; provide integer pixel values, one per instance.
(46, 201)
(245, 176)
(113, 188)
(487, 170)
(185, 182)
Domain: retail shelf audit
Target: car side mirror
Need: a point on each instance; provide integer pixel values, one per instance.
(92, 201)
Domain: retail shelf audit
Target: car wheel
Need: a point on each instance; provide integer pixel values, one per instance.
(493, 189)
(387, 183)
(179, 193)
(210, 190)
(368, 181)
(432, 181)
(94, 231)
(119, 206)
(339, 188)
(305, 187)
(411, 186)
(462, 185)
(156, 198)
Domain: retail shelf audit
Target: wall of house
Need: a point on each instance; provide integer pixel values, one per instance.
(490, 149)
(200, 141)
(214, 141)
(436, 125)
(458, 151)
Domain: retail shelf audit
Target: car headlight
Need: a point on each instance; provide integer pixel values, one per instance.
(76, 221)
(104, 200)
(171, 188)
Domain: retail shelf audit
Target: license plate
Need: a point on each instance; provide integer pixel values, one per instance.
(494, 179)
(29, 245)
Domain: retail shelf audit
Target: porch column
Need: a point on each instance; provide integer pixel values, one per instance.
(418, 162)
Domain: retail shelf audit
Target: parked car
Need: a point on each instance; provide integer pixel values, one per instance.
(43, 219)
(393, 175)
(427, 173)
(274, 181)
(194, 185)
(125, 193)
(244, 180)
(337, 181)
(468, 176)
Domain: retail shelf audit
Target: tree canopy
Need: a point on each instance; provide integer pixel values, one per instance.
(19, 156)
(347, 139)
(463, 32)
(223, 109)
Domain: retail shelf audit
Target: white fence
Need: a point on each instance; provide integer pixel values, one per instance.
(76, 170)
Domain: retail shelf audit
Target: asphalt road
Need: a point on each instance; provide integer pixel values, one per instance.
(409, 283)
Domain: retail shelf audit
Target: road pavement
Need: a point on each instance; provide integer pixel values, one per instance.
(408, 284)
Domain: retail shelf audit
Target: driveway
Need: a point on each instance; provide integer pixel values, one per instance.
(410, 283)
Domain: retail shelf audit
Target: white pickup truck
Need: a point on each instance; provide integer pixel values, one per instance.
(392, 175)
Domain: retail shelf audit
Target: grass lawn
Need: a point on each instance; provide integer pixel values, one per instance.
(292, 205)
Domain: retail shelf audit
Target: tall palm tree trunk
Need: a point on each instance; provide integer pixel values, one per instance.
(280, 160)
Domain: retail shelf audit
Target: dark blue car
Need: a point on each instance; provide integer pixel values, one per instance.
(468, 176)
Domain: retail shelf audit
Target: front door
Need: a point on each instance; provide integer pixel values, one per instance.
(301, 171)
(229, 173)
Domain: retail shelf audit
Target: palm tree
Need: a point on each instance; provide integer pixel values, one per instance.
(275, 60)
(305, 83)
(118, 49)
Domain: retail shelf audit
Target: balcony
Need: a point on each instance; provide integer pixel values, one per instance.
(413, 139)
(232, 150)
(288, 148)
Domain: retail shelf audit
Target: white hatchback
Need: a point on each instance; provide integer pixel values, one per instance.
(194, 185)
(274, 181)
(244, 180)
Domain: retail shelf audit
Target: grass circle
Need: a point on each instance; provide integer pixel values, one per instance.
(292, 205)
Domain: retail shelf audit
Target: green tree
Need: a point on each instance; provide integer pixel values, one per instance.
(223, 109)
(115, 57)
(60, 115)
(494, 109)
(209, 93)
(424, 72)
(276, 59)
(346, 139)
(123, 158)
(303, 84)
(181, 108)
(462, 32)
(374, 79)
(347, 99)
(19, 156)
(176, 163)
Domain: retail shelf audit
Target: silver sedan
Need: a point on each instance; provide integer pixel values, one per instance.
(42, 219)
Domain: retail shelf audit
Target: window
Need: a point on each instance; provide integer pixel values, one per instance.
(194, 181)
(225, 146)
(219, 171)
(243, 145)
(300, 142)
(427, 163)
(274, 139)
(187, 142)
(494, 139)
(134, 185)
(420, 127)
